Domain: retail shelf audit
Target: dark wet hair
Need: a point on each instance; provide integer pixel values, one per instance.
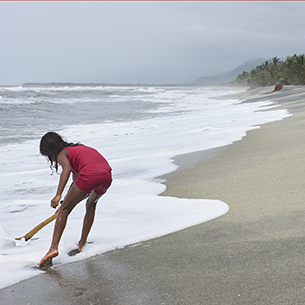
(51, 144)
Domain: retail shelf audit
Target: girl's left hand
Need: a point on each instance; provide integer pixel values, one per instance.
(55, 201)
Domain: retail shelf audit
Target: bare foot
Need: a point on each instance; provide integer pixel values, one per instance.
(47, 259)
(78, 250)
(81, 245)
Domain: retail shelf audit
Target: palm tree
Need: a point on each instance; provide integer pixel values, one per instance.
(288, 72)
(300, 68)
(275, 60)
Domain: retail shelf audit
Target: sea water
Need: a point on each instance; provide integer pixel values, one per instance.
(139, 129)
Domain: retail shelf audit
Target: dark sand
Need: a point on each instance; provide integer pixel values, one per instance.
(252, 255)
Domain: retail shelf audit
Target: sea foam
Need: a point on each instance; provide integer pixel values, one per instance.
(139, 151)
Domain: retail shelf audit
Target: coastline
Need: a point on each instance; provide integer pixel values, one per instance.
(251, 255)
(263, 161)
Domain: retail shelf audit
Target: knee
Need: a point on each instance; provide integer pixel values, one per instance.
(63, 213)
(91, 205)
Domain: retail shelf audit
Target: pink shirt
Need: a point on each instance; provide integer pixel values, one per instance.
(85, 160)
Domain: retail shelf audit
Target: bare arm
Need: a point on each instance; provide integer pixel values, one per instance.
(63, 160)
(74, 177)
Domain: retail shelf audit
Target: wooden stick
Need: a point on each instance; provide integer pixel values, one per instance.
(30, 234)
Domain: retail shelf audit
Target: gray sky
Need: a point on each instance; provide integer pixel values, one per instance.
(145, 42)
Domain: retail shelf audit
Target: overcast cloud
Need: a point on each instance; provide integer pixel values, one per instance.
(142, 42)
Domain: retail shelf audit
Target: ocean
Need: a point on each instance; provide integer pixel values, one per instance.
(138, 129)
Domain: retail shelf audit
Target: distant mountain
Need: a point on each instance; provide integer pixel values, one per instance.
(229, 76)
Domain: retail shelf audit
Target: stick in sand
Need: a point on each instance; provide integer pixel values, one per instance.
(30, 234)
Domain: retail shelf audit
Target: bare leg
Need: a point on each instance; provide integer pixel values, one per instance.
(74, 196)
(88, 219)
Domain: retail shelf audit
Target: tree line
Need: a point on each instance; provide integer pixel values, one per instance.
(291, 71)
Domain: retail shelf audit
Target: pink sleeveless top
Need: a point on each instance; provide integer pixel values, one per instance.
(85, 160)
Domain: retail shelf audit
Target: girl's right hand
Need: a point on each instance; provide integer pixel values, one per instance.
(55, 201)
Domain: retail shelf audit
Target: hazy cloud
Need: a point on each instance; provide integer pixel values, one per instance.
(144, 42)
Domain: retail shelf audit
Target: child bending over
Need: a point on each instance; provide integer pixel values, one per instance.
(91, 178)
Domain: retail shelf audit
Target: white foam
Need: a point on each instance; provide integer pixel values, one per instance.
(138, 152)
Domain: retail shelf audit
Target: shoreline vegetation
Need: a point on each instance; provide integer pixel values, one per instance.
(291, 71)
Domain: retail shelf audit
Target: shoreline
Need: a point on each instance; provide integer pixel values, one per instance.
(251, 255)
(269, 145)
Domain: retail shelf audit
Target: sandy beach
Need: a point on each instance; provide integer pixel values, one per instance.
(254, 254)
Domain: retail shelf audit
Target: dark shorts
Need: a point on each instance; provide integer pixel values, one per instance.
(97, 183)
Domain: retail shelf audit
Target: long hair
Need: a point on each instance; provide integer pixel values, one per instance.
(51, 144)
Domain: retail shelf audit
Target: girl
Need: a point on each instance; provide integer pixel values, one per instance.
(91, 178)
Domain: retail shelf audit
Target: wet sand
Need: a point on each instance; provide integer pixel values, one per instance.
(254, 254)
